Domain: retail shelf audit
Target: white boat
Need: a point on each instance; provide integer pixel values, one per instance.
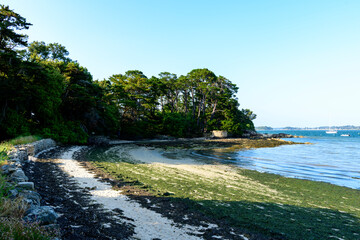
(345, 135)
(331, 131)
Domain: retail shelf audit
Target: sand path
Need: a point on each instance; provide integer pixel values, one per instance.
(147, 223)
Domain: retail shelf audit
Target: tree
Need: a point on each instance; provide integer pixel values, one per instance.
(58, 52)
(38, 51)
(10, 22)
(201, 80)
(170, 91)
(10, 68)
(42, 51)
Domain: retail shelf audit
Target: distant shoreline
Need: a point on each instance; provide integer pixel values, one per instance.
(308, 129)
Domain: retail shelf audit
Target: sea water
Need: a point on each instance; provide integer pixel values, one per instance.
(330, 158)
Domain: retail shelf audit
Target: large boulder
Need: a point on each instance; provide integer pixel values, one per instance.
(43, 215)
(19, 176)
(38, 146)
(31, 198)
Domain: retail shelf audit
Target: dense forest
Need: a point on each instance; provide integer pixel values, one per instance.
(44, 92)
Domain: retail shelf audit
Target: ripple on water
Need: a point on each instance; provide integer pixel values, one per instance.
(332, 160)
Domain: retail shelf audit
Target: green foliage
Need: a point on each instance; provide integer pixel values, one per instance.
(15, 124)
(15, 229)
(10, 23)
(38, 51)
(4, 186)
(44, 91)
(66, 132)
(181, 107)
(177, 124)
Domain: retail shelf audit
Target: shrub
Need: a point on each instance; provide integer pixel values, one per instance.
(16, 229)
(13, 208)
(4, 148)
(4, 187)
(15, 124)
(69, 132)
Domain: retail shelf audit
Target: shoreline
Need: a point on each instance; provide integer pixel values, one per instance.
(242, 203)
(215, 142)
(223, 192)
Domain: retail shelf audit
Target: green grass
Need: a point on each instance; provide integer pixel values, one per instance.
(265, 203)
(6, 146)
(15, 229)
(24, 140)
(4, 187)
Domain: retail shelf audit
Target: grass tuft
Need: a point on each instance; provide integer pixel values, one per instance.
(15, 229)
(24, 140)
(13, 208)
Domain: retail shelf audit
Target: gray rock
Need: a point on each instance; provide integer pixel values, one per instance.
(5, 169)
(19, 175)
(15, 161)
(19, 179)
(30, 197)
(31, 149)
(26, 185)
(281, 135)
(22, 154)
(13, 168)
(12, 153)
(38, 146)
(9, 169)
(13, 193)
(44, 215)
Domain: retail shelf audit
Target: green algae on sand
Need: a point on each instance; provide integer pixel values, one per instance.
(268, 204)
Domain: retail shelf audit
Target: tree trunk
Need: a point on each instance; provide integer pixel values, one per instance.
(214, 110)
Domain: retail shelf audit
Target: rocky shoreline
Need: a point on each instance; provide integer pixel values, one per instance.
(25, 189)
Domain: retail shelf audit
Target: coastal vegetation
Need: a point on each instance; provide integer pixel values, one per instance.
(12, 210)
(11, 213)
(275, 206)
(6, 146)
(44, 92)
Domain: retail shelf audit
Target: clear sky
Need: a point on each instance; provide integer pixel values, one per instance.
(297, 63)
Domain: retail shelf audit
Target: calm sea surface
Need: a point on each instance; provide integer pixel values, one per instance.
(331, 158)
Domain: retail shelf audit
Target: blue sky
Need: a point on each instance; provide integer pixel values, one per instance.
(296, 63)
